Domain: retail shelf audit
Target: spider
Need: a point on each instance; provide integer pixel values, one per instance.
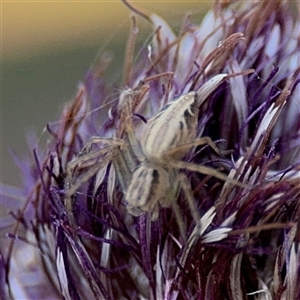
(148, 170)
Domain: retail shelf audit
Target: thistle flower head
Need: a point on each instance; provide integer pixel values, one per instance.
(228, 231)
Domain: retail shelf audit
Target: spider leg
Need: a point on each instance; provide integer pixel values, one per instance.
(91, 163)
(132, 139)
(181, 182)
(71, 188)
(85, 162)
(173, 195)
(183, 148)
(127, 160)
(123, 165)
(207, 171)
(86, 158)
(112, 142)
(187, 189)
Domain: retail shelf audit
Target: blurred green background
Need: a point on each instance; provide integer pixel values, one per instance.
(47, 47)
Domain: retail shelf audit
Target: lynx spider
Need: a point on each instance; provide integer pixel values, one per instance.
(146, 169)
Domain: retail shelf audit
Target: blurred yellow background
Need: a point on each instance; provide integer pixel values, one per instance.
(47, 47)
